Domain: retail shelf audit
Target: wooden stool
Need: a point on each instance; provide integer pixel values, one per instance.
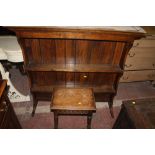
(73, 101)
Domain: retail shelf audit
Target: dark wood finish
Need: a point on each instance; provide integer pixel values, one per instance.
(136, 114)
(8, 118)
(89, 118)
(74, 57)
(73, 101)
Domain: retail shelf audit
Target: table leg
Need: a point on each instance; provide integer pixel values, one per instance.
(89, 118)
(55, 120)
(111, 108)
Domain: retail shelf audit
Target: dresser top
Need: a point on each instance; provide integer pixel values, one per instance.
(112, 33)
(88, 28)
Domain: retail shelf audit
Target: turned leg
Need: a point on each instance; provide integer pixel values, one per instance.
(110, 103)
(89, 118)
(35, 102)
(55, 120)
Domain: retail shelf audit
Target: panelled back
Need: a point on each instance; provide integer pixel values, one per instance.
(69, 51)
(61, 51)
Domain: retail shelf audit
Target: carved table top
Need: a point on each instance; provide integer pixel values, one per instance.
(73, 99)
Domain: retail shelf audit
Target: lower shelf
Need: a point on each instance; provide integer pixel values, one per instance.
(48, 89)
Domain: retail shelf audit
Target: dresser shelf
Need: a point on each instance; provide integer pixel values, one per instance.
(74, 68)
(49, 89)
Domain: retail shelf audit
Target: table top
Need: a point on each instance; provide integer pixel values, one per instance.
(141, 112)
(73, 99)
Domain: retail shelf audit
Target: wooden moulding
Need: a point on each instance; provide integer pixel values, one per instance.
(92, 33)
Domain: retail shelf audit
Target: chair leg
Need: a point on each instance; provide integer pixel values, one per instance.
(55, 120)
(89, 118)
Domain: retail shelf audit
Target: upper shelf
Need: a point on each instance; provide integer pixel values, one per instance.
(74, 68)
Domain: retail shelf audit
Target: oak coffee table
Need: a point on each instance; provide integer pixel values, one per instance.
(73, 101)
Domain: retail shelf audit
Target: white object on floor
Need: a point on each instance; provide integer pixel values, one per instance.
(11, 51)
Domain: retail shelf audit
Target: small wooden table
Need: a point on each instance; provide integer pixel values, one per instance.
(136, 114)
(73, 101)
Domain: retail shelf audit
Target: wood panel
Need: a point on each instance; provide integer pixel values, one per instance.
(36, 54)
(82, 52)
(99, 51)
(70, 51)
(118, 53)
(140, 60)
(144, 43)
(48, 51)
(142, 75)
(109, 47)
(142, 52)
(140, 63)
(60, 78)
(70, 79)
(26, 44)
(60, 51)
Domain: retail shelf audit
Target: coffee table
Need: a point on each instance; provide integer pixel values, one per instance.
(73, 101)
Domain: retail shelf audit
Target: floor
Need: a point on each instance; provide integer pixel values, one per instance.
(43, 118)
